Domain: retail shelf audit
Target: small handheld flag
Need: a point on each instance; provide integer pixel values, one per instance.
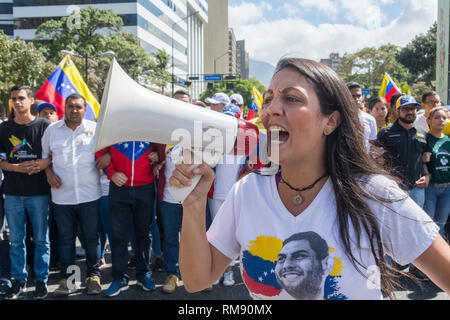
(66, 80)
(388, 88)
(255, 104)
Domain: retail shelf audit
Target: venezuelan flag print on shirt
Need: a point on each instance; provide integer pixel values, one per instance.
(66, 80)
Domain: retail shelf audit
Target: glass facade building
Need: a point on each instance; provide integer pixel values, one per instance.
(175, 26)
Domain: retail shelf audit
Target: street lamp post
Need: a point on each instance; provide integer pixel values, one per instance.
(86, 58)
(173, 62)
(215, 60)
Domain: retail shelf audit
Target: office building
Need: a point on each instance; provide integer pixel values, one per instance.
(242, 60)
(175, 26)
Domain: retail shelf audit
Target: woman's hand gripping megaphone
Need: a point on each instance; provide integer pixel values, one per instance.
(191, 182)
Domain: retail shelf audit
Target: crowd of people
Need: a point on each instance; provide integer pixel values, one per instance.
(55, 190)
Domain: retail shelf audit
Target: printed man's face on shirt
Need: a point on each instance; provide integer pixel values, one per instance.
(299, 272)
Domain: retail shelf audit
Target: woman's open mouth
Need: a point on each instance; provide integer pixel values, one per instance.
(278, 135)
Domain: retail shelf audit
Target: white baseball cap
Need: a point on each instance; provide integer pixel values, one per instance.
(218, 98)
(238, 98)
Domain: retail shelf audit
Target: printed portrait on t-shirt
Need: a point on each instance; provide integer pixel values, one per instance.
(303, 264)
(301, 267)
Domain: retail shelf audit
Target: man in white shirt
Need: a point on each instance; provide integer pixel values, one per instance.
(368, 122)
(430, 100)
(227, 171)
(75, 190)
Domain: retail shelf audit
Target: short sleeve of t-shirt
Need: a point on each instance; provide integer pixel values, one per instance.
(223, 235)
(406, 230)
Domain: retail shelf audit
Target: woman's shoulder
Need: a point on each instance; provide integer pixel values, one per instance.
(382, 186)
(253, 181)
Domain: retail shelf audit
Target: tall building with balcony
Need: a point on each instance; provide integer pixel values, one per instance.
(176, 26)
(232, 52)
(333, 61)
(6, 17)
(242, 60)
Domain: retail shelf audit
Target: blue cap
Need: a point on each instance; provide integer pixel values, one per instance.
(406, 100)
(232, 109)
(45, 105)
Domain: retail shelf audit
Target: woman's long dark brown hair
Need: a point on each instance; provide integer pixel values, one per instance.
(347, 163)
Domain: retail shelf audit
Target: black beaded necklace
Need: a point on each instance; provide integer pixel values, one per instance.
(298, 199)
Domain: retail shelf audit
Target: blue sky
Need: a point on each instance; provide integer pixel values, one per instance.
(315, 28)
(390, 10)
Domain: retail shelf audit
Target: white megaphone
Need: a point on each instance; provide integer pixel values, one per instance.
(130, 112)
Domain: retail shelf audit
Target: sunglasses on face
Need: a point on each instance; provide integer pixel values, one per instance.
(408, 109)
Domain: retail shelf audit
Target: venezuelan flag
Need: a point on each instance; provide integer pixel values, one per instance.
(255, 104)
(388, 88)
(66, 80)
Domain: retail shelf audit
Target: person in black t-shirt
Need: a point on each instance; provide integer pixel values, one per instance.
(26, 191)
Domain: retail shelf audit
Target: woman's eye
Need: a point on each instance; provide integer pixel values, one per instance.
(292, 99)
(267, 100)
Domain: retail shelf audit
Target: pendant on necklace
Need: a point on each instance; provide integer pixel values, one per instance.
(297, 200)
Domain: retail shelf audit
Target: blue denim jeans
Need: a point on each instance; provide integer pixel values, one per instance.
(68, 219)
(172, 215)
(437, 205)
(16, 209)
(131, 206)
(418, 195)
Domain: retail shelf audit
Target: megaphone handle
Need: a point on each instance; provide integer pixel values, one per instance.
(180, 194)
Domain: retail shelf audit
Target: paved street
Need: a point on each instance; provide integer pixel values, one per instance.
(220, 292)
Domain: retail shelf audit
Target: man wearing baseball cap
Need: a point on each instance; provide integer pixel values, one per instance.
(238, 101)
(405, 145)
(48, 111)
(218, 101)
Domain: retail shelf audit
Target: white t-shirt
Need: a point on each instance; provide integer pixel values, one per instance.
(227, 171)
(104, 183)
(253, 223)
(369, 125)
(421, 122)
(173, 155)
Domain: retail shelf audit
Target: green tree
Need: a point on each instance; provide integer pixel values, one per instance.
(243, 87)
(161, 76)
(369, 65)
(92, 31)
(20, 63)
(419, 56)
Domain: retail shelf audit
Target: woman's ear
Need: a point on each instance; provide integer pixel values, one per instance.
(334, 120)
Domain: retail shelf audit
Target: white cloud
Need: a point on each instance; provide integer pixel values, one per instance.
(269, 40)
(247, 12)
(328, 7)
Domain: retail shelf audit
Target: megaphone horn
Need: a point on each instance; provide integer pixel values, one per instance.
(130, 112)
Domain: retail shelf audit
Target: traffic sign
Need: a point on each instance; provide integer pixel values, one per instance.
(213, 77)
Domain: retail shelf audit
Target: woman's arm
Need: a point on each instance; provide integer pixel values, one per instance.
(200, 263)
(435, 263)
